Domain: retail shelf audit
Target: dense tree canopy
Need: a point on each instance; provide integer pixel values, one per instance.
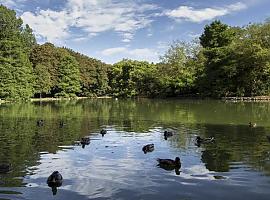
(16, 73)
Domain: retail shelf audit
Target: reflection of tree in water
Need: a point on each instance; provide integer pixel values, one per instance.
(235, 143)
(216, 160)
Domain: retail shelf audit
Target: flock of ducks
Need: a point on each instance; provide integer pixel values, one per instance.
(55, 179)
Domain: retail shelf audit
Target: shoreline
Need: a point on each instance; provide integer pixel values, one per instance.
(67, 98)
(226, 99)
(48, 99)
(247, 99)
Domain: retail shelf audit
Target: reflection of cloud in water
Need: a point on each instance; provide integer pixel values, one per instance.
(90, 174)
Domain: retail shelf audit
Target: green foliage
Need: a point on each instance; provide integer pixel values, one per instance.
(16, 73)
(177, 71)
(93, 75)
(216, 34)
(43, 79)
(131, 78)
(239, 66)
(69, 77)
(48, 56)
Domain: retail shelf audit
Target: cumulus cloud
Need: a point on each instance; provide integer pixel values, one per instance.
(198, 15)
(92, 17)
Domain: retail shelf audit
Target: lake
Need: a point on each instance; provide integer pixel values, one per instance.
(236, 165)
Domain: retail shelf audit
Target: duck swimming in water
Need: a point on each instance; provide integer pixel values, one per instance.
(167, 134)
(148, 148)
(5, 168)
(85, 141)
(252, 125)
(103, 132)
(169, 164)
(55, 180)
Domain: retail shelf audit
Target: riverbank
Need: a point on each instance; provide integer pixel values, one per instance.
(247, 99)
(65, 99)
(57, 99)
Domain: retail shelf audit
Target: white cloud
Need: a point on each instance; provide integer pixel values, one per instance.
(198, 15)
(49, 24)
(92, 17)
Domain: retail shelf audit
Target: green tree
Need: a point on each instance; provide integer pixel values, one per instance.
(93, 74)
(129, 78)
(49, 56)
(177, 70)
(69, 77)
(16, 73)
(42, 80)
(216, 34)
(218, 72)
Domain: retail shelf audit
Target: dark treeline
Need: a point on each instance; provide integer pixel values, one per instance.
(224, 61)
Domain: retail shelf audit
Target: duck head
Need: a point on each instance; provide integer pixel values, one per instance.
(177, 161)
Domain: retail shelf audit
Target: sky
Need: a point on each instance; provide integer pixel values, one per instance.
(111, 30)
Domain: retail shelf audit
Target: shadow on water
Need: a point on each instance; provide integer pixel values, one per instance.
(114, 166)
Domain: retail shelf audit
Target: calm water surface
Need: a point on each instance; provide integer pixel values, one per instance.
(236, 166)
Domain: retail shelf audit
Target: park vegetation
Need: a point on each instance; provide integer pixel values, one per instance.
(223, 61)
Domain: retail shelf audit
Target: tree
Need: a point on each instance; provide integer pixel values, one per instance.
(176, 72)
(93, 74)
(69, 77)
(216, 34)
(42, 80)
(28, 38)
(219, 71)
(16, 73)
(129, 78)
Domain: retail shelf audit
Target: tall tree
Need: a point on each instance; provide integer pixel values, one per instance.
(16, 73)
(69, 77)
(93, 74)
(42, 80)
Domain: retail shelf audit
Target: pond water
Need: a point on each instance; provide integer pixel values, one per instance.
(236, 165)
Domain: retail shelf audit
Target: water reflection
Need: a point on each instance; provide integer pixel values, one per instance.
(114, 167)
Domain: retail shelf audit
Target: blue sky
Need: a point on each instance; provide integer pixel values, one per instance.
(111, 30)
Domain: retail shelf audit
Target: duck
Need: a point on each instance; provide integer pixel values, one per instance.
(252, 125)
(169, 162)
(268, 137)
(85, 141)
(200, 140)
(148, 148)
(55, 179)
(5, 168)
(103, 132)
(167, 134)
(40, 122)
